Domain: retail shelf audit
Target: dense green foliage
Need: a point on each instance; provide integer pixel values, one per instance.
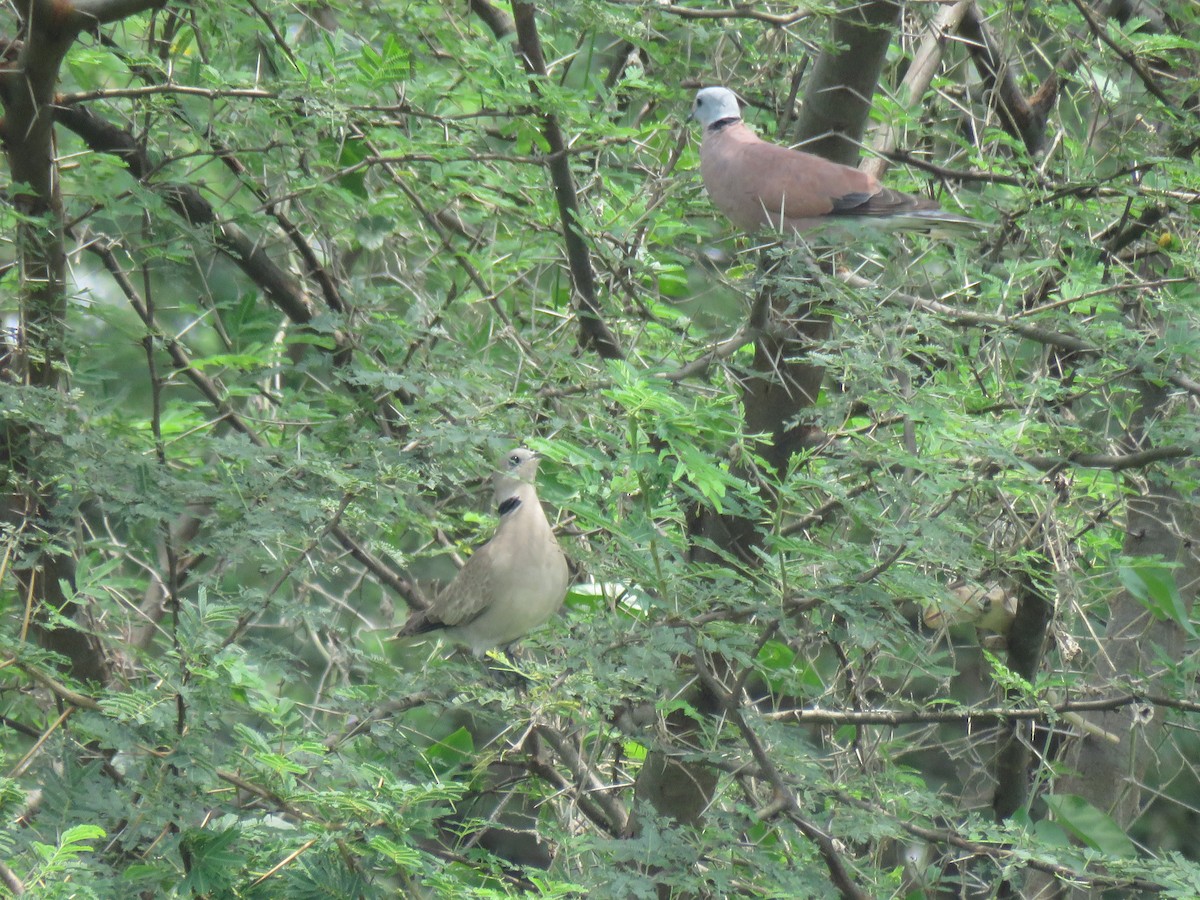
(326, 283)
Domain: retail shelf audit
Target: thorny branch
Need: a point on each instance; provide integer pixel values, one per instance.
(595, 333)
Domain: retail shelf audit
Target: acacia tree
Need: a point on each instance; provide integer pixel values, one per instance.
(885, 553)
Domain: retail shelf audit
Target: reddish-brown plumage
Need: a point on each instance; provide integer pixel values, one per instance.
(757, 184)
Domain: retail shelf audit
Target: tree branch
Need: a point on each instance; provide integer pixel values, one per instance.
(737, 11)
(89, 13)
(497, 20)
(1002, 853)
(1114, 462)
(61, 691)
(784, 798)
(616, 818)
(1027, 636)
(249, 254)
(837, 99)
(594, 332)
(974, 717)
(1020, 119)
(1096, 25)
(1037, 333)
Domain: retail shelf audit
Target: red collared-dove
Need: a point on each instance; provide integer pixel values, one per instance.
(514, 582)
(762, 185)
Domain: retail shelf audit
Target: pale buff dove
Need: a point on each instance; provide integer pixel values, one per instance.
(759, 185)
(514, 582)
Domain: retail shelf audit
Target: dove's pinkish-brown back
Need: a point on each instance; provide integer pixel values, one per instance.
(757, 184)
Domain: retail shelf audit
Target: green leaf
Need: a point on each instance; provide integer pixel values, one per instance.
(373, 231)
(1089, 825)
(1151, 582)
(215, 864)
(455, 749)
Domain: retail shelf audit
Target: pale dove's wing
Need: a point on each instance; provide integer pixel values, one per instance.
(514, 582)
(757, 184)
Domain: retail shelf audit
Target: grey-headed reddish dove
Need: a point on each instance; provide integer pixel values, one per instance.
(758, 185)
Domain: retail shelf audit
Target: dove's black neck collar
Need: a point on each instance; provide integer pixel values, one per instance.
(723, 123)
(507, 506)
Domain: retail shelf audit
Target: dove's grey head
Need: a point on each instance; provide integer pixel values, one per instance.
(712, 104)
(515, 472)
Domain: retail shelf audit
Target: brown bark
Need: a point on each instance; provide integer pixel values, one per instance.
(838, 98)
(1027, 638)
(246, 251)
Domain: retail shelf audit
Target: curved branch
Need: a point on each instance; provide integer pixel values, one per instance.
(186, 201)
(497, 20)
(1114, 462)
(1037, 333)
(89, 13)
(722, 350)
(60, 690)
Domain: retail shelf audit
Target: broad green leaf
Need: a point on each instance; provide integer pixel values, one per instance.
(1152, 583)
(1089, 825)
